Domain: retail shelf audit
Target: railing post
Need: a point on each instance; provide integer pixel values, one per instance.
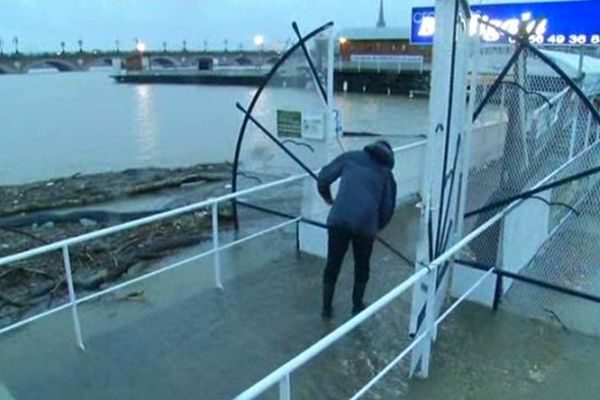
(498, 291)
(72, 298)
(429, 320)
(217, 251)
(285, 390)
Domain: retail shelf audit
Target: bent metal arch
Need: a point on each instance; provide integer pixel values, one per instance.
(302, 40)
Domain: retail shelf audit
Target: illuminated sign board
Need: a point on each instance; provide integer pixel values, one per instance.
(553, 23)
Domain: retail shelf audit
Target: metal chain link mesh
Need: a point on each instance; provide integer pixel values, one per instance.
(535, 130)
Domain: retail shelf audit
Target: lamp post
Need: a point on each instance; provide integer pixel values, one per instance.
(80, 44)
(184, 45)
(205, 45)
(226, 43)
(16, 44)
(1, 47)
(118, 45)
(164, 47)
(259, 41)
(62, 47)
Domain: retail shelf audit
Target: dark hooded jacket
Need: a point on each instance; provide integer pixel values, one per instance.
(366, 198)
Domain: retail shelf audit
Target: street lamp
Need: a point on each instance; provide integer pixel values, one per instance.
(62, 47)
(164, 47)
(16, 44)
(259, 41)
(205, 45)
(184, 46)
(1, 47)
(118, 45)
(226, 43)
(80, 44)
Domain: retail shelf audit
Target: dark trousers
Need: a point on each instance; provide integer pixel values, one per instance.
(337, 246)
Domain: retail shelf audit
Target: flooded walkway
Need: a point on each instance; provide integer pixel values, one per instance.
(176, 337)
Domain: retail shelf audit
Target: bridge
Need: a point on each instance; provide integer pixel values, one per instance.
(20, 63)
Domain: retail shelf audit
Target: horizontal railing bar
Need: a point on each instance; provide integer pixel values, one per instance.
(331, 338)
(536, 282)
(445, 256)
(182, 262)
(160, 216)
(142, 221)
(143, 277)
(34, 318)
(419, 338)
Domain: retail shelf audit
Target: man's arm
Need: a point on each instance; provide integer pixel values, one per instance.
(388, 202)
(329, 174)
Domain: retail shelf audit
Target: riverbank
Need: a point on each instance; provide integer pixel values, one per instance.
(35, 214)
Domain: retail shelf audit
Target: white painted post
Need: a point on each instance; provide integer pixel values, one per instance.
(72, 298)
(217, 251)
(447, 124)
(285, 389)
(430, 317)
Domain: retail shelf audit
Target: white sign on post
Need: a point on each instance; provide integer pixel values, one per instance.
(313, 126)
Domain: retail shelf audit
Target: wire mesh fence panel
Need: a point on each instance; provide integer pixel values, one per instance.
(536, 124)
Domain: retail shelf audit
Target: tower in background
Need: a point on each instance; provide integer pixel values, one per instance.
(381, 21)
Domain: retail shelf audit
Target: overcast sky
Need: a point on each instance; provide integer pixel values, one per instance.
(43, 24)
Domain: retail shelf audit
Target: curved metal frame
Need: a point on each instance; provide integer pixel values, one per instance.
(260, 89)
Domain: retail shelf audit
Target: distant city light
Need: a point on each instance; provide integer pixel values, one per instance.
(259, 40)
(343, 40)
(141, 47)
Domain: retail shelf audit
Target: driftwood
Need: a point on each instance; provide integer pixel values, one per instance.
(27, 220)
(80, 190)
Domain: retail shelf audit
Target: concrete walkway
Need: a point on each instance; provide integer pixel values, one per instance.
(183, 339)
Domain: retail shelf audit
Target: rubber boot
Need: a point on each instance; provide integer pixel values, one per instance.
(327, 310)
(357, 297)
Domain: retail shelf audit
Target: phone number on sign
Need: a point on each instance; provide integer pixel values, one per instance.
(565, 39)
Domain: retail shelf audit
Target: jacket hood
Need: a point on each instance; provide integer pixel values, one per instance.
(382, 152)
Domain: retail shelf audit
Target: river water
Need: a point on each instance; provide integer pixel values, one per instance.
(57, 124)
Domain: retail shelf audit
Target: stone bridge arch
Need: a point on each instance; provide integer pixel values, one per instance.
(7, 69)
(99, 62)
(243, 60)
(164, 61)
(60, 65)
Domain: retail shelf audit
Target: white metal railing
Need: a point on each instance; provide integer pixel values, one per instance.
(282, 375)
(217, 248)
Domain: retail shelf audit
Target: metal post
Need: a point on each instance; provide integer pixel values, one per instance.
(498, 292)
(72, 298)
(217, 251)
(430, 316)
(285, 391)
(298, 239)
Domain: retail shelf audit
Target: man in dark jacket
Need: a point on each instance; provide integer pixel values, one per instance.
(364, 204)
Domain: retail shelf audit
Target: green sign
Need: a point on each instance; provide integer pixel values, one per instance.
(289, 123)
